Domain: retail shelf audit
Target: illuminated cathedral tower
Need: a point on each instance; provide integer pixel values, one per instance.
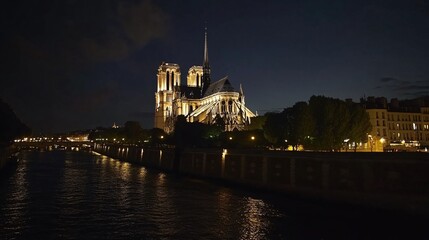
(168, 77)
(199, 100)
(206, 66)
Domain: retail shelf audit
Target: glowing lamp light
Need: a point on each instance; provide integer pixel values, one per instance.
(253, 138)
(162, 137)
(230, 138)
(382, 140)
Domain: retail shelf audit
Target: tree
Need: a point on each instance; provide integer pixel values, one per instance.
(331, 119)
(301, 125)
(360, 124)
(180, 132)
(195, 134)
(323, 114)
(156, 135)
(10, 125)
(256, 123)
(335, 121)
(275, 127)
(133, 131)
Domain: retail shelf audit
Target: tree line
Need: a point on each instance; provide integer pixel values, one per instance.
(322, 123)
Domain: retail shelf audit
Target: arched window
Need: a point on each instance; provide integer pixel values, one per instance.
(230, 106)
(172, 78)
(223, 106)
(168, 81)
(198, 79)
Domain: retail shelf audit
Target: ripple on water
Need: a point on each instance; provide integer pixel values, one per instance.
(69, 195)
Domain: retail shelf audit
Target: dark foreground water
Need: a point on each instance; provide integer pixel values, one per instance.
(76, 195)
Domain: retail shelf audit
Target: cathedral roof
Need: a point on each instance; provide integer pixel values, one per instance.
(190, 92)
(222, 85)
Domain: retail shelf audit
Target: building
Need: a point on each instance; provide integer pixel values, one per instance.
(199, 100)
(398, 125)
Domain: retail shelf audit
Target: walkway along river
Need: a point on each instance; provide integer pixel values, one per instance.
(397, 181)
(79, 195)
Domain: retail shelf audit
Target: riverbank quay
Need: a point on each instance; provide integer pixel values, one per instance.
(390, 181)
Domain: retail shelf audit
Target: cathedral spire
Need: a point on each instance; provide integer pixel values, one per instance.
(206, 50)
(206, 66)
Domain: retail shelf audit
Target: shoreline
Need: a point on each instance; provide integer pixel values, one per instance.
(386, 181)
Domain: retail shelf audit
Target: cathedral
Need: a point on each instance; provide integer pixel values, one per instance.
(199, 100)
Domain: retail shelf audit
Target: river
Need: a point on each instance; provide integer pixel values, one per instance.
(79, 195)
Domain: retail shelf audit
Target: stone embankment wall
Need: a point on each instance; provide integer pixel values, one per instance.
(388, 180)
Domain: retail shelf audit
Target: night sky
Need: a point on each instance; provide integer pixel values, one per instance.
(70, 64)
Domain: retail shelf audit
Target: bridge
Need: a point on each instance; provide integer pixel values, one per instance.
(53, 145)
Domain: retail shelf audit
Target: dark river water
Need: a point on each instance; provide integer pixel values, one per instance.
(78, 195)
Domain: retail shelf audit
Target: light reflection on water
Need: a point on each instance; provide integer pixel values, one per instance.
(254, 225)
(72, 195)
(14, 216)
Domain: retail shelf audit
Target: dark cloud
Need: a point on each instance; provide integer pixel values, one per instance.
(423, 5)
(49, 45)
(388, 79)
(417, 94)
(399, 87)
(407, 87)
(139, 24)
(80, 32)
(142, 22)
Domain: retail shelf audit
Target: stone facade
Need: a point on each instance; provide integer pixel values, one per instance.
(398, 124)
